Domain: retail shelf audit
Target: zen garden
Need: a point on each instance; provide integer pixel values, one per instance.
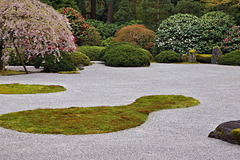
(119, 79)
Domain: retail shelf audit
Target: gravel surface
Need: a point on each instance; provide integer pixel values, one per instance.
(167, 135)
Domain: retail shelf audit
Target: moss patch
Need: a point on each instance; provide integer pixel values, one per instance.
(68, 72)
(236, 134)
(11, 72)
(92, 120)
(16, 88)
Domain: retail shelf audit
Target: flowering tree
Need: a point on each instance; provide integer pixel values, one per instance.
(35, 27)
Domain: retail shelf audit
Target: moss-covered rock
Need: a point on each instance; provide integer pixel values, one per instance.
(228, 131)
(204, 58)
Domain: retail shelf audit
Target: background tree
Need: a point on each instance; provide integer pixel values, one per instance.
(189, 7)
(124, 12)
(57, 4)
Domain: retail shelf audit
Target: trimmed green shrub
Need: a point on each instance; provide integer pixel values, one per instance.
(150, 56)
(168, 57)
(231, 41)
(232, 58)
(78, 24)
(94, 37)
(213, 27)
(92, 52)
(178, 33)
(125, 55)
(79, 58)
(204, 58)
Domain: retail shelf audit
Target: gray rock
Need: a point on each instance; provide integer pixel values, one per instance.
(223, 131)
(216, 55)
(80, 67)
(192, 57)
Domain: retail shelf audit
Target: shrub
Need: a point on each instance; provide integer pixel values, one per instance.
(79, 58)
(107, 42)
(204, 58)
(136, 34)
(150, 56)
(179, 33)
(232, 40)
(125, 55)
(168, 57)
(232, 58)
(14, 59)
(92, 52)
(78, 24)
(109, 29)
(94, 37)
(213, 27)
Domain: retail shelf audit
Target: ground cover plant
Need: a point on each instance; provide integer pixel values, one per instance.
(11, 72)
(16, 88)
(92, 120)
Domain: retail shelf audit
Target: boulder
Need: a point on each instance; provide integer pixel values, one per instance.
(216, 55)
(191, 56)
(228, 131)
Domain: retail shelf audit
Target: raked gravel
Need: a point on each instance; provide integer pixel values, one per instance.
(176, 134)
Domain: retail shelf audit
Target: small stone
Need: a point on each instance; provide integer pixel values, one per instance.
(80, 67)
(223, 132)
(216, 55)
(184, 58)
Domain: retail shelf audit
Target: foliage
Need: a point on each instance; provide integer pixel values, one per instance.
(136, 34)
(150, 56)
(92, 52)
(17, 88)
(231, 41)
(107, 42)
(204, 58)
(78, 24)
(109, 29)
(189, 7)
(79, 58)
(152, 13)
(232, 58)
(14, 59)
(94, 37)
(52, 64)
(168, 57)
(92, 120)
(35, 27)
(179, 33)
(214, 26)
(125, 55)
(124, 12)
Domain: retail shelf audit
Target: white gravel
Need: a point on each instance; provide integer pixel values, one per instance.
(167, 135)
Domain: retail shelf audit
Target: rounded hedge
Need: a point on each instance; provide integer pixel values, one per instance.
(126, 55)
(232, 58)
(79, 58)
(168, 57)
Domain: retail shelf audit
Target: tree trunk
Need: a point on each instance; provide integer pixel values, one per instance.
(93, 9)
(21, 59)
(110, 12)
(158, 12)
(1, 54)
(81, 6)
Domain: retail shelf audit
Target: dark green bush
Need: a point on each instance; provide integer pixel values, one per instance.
(14, 59)
(168, 57)
(79, 58)
(232, 58)
(107, 42)
(126, 55)
(92, 52)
